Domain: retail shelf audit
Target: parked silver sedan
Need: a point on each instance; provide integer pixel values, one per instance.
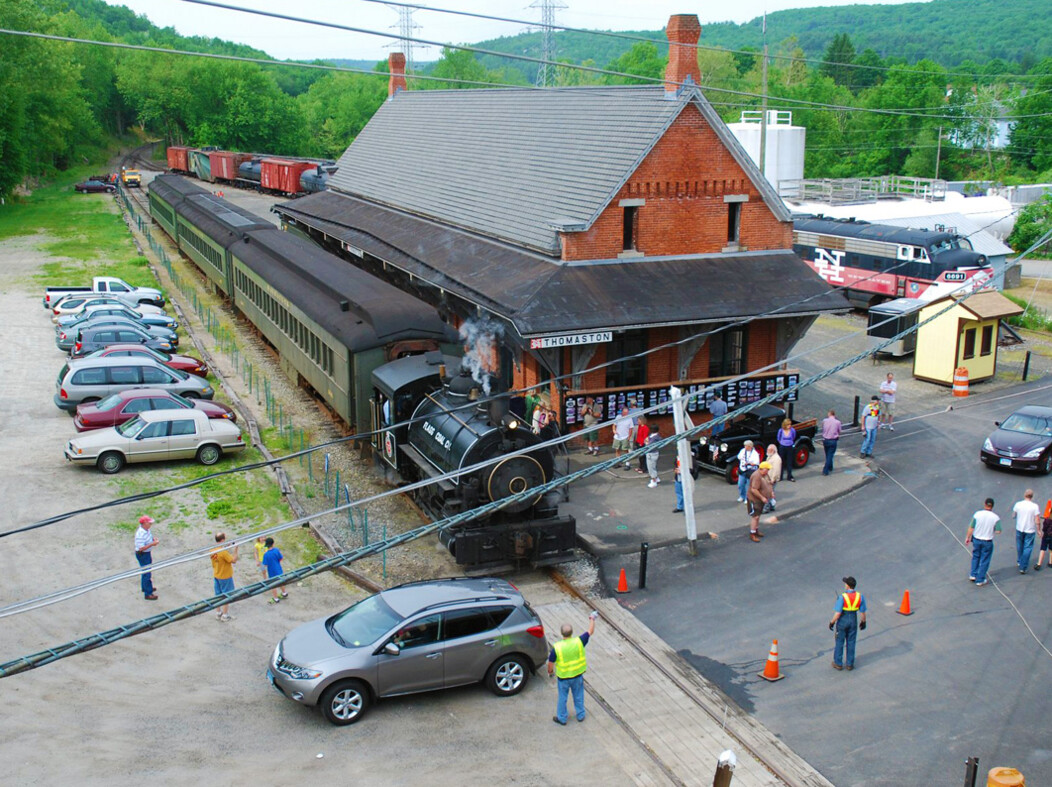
(415, 637)
(154, 436)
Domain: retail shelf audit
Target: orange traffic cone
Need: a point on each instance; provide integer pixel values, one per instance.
(904, 608)
(770, 670)
(622, 583)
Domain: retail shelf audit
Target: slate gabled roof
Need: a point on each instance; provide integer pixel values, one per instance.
(517, 164)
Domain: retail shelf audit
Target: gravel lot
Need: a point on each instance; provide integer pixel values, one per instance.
(190, 702)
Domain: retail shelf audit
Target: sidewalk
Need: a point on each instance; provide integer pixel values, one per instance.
(616, 511)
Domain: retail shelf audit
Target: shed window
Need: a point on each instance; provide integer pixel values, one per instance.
(986, 345)
(969, 343)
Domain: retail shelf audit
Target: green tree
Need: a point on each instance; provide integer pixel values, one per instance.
(1034, 221)
(837, 60)
(642, 60)
(337, 107)
(459, 66)
(1031, 137)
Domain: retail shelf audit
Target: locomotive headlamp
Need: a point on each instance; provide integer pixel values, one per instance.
(510, 422)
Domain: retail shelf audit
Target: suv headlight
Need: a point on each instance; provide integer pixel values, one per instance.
(295, 671)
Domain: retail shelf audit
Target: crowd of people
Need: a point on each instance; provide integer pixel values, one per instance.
(1030, 521)
(223, 558)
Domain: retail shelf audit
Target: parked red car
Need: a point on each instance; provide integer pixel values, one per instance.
(184, 363)
(120, 407)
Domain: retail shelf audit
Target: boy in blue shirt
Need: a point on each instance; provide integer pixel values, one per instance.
(272, 565)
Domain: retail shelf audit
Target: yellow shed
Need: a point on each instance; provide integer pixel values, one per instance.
(963, 335)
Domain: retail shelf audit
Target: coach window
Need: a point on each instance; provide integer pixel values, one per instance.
(727, 352)
(969, 343)
(629, 370)
(986, 345)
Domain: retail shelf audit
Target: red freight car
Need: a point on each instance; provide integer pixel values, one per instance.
(225, 163)
(283, 175)
(178, 158)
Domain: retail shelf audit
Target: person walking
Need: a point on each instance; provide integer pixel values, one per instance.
(145, 541)
(717, 409)
(223, 561)
(748, 460)
(773, 475)
(652, 455)
(887, 402)
(758, 496)
(622, 432)
(567, 662)
(590, 414)
(870, 424)
(1026, 513)
(1046, 540)
(831, 427)
(272, 562)
(984, 526)
(786, 439)
(849, 615)
(677, 484)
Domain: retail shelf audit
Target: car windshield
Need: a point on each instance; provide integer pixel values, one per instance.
(108, 403)
(1029, 424)
(131, 428)
(362, 624)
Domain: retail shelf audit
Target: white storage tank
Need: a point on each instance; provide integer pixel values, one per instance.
(784, 160)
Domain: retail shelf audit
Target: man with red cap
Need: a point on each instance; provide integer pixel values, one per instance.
(144, 542)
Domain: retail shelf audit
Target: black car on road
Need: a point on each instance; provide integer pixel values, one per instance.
(761, 425)
(1023, 441)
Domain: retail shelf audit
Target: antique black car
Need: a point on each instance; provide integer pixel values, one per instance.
(760, 425)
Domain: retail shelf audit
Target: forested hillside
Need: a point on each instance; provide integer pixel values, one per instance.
(869, 108)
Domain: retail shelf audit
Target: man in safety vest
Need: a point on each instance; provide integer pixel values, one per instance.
(849, 616)
(567, 662)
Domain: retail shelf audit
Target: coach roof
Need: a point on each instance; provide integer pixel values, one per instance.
(518, 165)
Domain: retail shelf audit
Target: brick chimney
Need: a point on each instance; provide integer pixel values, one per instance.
(683, 31)
(396, 66)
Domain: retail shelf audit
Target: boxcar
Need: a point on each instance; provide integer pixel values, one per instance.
(225, 164)
(284, 175)
(201, 165)
(331, 323)
(178, 158)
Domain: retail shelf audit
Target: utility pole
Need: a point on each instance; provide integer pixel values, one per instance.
(938, 153)
(763, 118)
(683, 423)
(406, 28)
(546, 71)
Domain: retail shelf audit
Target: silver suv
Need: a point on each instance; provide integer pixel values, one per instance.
(91, 379)
(417, 637)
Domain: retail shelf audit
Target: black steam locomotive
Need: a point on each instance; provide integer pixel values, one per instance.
(448, 433)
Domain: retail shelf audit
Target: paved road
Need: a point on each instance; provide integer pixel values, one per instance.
(962, 677)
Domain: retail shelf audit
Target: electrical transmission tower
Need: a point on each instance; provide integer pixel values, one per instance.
(406, 28)
(545, 71)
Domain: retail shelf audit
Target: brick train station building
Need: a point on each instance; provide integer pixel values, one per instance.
(578, 225)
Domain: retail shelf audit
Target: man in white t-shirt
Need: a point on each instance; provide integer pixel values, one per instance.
(984, 526)
(887, 402)
(1026, 515)
(622, 434)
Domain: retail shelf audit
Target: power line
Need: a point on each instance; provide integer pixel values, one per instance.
(659, 42)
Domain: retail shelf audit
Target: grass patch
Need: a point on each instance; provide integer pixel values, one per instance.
(1033, 318)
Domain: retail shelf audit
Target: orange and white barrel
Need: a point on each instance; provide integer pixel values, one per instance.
(960, 381)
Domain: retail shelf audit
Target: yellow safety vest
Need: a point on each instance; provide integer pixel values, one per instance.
(852, 601)
(569, 658)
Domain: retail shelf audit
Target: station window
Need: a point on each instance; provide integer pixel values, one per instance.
(727, 352)
(629, 230)
(986, 344)
(734, 216)
(630, 371)
(969, 343)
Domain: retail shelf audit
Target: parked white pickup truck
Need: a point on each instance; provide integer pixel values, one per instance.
(118, 288)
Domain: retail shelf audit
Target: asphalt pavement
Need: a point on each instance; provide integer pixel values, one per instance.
(965, 675)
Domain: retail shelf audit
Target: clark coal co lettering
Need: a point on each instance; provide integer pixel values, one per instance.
(571, 340)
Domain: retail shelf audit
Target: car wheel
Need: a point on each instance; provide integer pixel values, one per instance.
(208, 454)
(110, 463)
(507, 676)
(1046, 466)
(191, 395)
(731, 473)
(345, 702)
(801, 456)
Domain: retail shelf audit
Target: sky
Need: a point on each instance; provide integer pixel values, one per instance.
(291, 40)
